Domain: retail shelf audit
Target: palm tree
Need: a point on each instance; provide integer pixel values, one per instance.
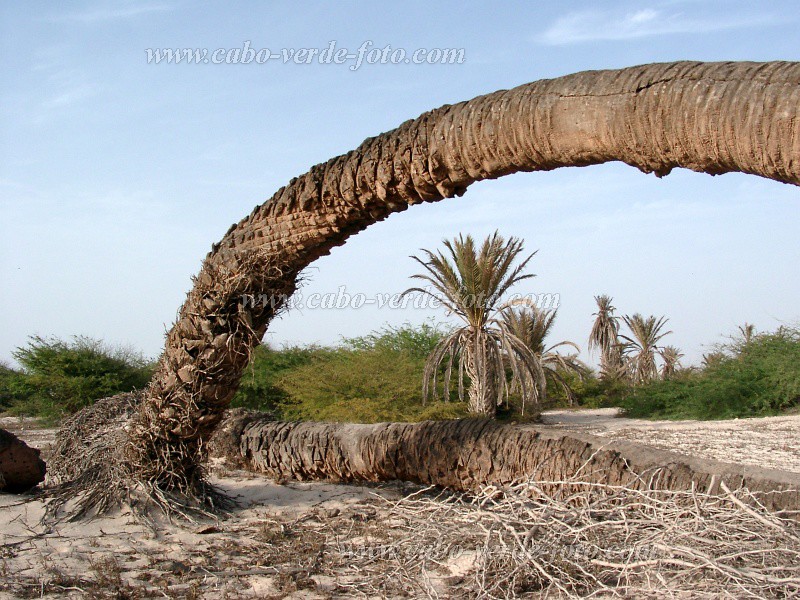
(739, 343)
(465, 456)
(470, 283)
(747, 333)
(435, 156)
(671, 357)
(713, 359)
(642, 347)
(532, 325)
(605, 338)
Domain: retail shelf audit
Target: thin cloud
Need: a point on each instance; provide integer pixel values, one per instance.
(108, 13)
(70, 96)
(592, 25)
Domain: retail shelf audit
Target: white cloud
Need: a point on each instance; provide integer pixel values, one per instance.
(594, 25)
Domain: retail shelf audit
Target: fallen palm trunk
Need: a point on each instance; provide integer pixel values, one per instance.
(470, 454)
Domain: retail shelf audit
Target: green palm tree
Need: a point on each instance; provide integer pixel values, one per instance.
(671, 357)
(642, 347)
(470, 283)
(532, 325)
(605, 338)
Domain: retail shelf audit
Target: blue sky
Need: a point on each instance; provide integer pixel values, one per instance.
(117, 175)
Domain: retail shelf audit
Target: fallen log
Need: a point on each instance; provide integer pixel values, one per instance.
(469, 454)
(21, 467)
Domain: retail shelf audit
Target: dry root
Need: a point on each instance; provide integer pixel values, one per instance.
(90, 473)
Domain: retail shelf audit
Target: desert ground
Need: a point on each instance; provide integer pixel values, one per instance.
(770, 442)
(309, 540)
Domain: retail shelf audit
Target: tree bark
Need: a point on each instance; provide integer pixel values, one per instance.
(21, 467)
(708, 117)
(468, 454)
(482, 391)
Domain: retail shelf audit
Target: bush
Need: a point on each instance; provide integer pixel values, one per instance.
(377, 377)
(363, 386)
(60, 377)
(759, 378)
(8, 386)
(416, 342)
(259, 388)
(593, 392)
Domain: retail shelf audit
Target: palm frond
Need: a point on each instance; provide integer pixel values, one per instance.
(641, 346)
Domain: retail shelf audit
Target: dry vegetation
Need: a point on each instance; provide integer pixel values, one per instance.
(331, 541)
(535, 539)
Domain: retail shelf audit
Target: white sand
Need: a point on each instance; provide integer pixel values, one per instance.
(769, 442)
(228, 558)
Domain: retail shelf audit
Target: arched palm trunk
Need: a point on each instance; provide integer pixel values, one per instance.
(708, 117)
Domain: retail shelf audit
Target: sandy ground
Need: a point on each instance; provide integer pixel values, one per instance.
(270, 546)
(243, 555)
(769, 442)
(278, 543)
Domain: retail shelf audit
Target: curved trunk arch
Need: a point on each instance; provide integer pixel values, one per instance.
(708, 117)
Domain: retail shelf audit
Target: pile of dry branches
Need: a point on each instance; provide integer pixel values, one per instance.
(585, 539)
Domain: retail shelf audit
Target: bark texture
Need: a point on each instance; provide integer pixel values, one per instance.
(482, 375)
(708, 117)
(467, 454)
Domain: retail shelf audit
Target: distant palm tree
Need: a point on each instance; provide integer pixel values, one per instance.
(748, 331)
(672, 360)
(470, 283)
(532, 325)
(713, 359)
(605, 338)
(642, 347)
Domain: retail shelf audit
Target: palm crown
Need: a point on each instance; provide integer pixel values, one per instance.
(642, 345)
(532, 325)
(470, 282)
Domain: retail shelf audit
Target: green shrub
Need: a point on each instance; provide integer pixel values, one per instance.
(366, 385)
(593, 392)
(761, 377)
(259, 388)
(8, 386)
(60, 377)
(368, 379)
(415, 341)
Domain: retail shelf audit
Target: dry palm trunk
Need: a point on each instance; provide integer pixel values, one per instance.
(480, 369)
(708, 117)
(469, 454)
